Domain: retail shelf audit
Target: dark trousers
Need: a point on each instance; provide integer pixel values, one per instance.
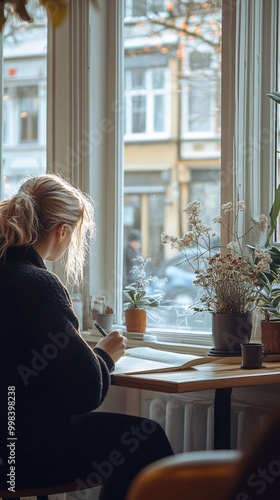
(101, 448)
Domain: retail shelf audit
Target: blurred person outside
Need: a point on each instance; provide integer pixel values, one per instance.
(132, 249)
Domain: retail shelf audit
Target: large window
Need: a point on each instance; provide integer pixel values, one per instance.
(146, 188)
(161, 108)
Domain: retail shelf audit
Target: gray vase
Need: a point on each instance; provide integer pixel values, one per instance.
(105, 320)
(230, 330)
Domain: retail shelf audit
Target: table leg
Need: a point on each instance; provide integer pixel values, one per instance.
(222, 421)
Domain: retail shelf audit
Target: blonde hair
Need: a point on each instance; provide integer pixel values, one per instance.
(42, 203)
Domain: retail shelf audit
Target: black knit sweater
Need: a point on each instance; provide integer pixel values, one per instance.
(55, 373)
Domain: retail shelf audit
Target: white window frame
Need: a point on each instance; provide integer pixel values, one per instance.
(240, 92)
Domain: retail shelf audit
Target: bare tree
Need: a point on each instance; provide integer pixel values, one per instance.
(189, 18)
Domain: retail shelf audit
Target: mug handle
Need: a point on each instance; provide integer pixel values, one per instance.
(265, 353)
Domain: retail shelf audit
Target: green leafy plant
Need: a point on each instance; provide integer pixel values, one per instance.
(272, 250)
(273, 215)
(269, 301)
(274, 212)
(135, 293)
(269, 283)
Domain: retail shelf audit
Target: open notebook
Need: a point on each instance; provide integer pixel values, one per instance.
(147, 360)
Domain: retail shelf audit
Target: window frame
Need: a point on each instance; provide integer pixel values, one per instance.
(244, 19)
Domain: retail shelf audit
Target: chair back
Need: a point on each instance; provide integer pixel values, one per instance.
(203, 475)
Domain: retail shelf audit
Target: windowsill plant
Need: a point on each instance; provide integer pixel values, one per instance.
(228, 280)
(270, 283)
(138, 301)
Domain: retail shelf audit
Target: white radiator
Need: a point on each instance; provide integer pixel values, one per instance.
(189, 421)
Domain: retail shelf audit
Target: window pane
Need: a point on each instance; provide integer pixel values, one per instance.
(139, 114)
(138, 80)
(199, 106)
(157, 6)
(133, 8)
(24, 99)
(28, 112)
(159, 113)
(158, 79)
(178, 158)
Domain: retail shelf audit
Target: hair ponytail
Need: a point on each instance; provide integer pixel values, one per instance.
(42, 203)
(19, 225)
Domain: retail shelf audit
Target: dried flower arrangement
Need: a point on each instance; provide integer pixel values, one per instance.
(229, 280)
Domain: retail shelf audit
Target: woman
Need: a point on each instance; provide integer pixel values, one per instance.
(50, 377)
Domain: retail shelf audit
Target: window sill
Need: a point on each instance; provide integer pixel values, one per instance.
(92, 337)
(147, 137)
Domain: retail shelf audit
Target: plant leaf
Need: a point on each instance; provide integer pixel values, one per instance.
(153, 303)
(132, 286)
(276, 301)
(131, 305)
(274, 212)
(275, 96)
(273, 250)
(139, 295)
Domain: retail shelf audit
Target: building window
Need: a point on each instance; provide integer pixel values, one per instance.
(146, 96)
(136, 8)
(28, 113)
(201, 94)
(20, 114)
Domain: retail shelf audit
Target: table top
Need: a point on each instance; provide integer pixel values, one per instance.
(214, 375)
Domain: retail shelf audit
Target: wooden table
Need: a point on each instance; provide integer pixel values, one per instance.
(218, 375)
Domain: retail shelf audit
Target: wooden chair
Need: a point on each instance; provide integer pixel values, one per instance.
(206, 475)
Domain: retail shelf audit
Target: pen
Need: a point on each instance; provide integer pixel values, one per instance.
(100, 329)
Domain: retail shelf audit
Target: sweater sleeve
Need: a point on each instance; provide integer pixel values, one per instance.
(75, 377)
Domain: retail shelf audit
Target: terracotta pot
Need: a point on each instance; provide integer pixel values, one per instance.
(230, 330)
(271, 335)
(136, 320)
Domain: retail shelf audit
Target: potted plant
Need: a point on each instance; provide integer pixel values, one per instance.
(270, 305)
(228, 279)
(138, 301)
(270, 295)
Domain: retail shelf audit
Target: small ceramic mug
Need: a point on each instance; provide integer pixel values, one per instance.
(252, 355)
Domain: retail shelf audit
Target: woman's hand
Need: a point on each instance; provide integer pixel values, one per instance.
(114, 344)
